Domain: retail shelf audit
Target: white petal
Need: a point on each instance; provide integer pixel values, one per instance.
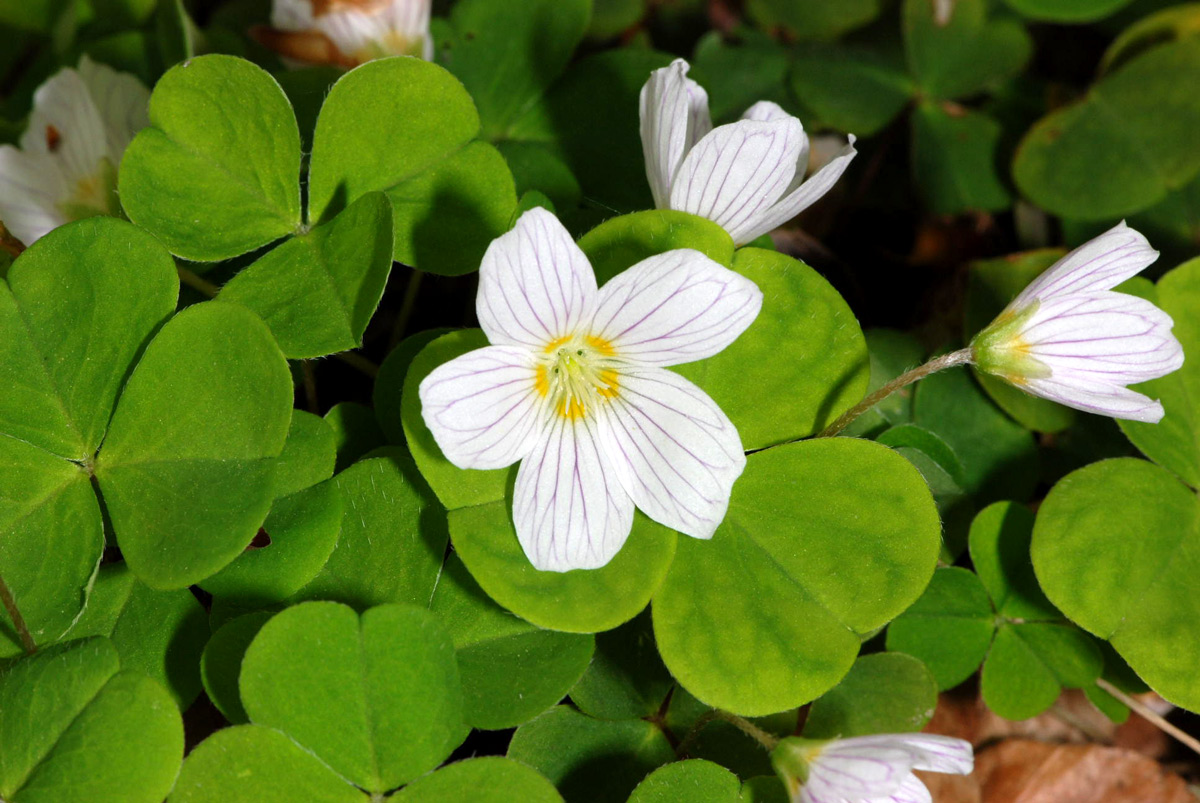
(736, 172)
(31, 187)
(569, 507)
(931, 752)
(674, 308)
(535, 285)
(122, 100)
(353, 32)
(804, 194)
(1101, 398)
(410, 19)
(677, 452)
(292, 15)
(910, 791)
(1110, 337)
(483, 407)
(1099, 264)
(766, 111)
(674, 116)
(859, 774)
(66, 124)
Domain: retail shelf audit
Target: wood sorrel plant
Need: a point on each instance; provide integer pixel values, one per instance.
(643, 489)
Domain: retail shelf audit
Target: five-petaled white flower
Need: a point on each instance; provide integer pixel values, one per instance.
(746, 176)
(573, 386)
(1071, 338)
(66, 167)
(868, 769)
(347, 33)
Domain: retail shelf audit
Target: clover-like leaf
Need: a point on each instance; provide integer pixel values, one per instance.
(80, 305)
(158, 633)
(814, 20)
(590, 759)
(887, 692)
(507, 54)
(784, 539)
(626, 678)
(998, 456)
(217, 174)
(511, 670)
(1067, 10)
(76, 727)
(375, 697)
(694, 780)
(221, 663)
(621, 242)
(406, 127)
(187, 469)
(954, 160)
(308, 454)
(949, 628)
(252, 764)
(853, 89)
(300, 533)
(491, 779)
(1174, 442)
(393, 536)
(590, 116)
(581, 601)
(967, 54)
(317, 292)
(1124, 145)
(801, 364)
(1141, 596)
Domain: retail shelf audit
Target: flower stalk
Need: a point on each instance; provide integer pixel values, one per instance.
(960, 357)
(14, 613)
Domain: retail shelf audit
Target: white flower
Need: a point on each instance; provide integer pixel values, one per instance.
(573, 386)
(747, 176)
(1069, 337)
(348, 32)
(66, 167)
(868, 769)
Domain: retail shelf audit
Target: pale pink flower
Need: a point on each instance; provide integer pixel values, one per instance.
(868, 769)
(1071, 338)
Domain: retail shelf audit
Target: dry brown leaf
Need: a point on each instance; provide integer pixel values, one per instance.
(1073, 719)
(1021, 771)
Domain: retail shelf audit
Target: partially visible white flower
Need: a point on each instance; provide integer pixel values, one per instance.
(868, 769)
(1071, 338)
(746, 176)
(573, 385)
(66, 167)
(348, 32)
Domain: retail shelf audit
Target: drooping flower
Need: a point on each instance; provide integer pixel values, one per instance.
(1071, 338)
(66, 167)
(868, 769)
(746, 176)
(574, 386)
(346, 33)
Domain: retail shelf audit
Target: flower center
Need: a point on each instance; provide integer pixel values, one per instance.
(94, 194)
(577, 374)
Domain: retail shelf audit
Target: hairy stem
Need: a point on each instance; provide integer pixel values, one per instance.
(407, 305)
(14, 613)
(960, 357)
(747, 727)
(1148, 714)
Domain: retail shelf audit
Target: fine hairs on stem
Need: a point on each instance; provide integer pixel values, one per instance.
(960, 357)
(14, 613)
